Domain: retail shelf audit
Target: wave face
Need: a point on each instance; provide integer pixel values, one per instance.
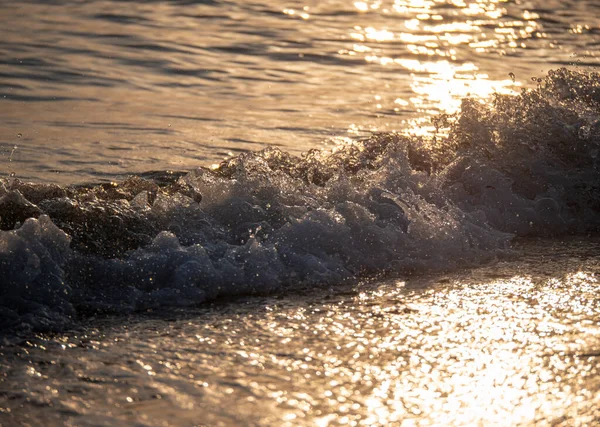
(516, 166)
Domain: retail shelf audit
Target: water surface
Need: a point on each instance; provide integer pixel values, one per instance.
(510, 344)
(99, 89)
(395, 280)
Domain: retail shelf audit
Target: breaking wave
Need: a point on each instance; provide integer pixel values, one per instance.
(522, 165)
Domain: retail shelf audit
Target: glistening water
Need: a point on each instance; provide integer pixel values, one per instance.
(283, 213)
(103, 88)
(512, 344)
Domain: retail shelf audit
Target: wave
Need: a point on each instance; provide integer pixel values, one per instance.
(523, 165)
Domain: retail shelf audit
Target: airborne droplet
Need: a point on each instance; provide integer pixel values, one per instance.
(512, 76)
(19, 135)
(584, 132)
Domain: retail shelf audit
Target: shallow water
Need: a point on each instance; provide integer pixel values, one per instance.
(99, 89)
(514, 343)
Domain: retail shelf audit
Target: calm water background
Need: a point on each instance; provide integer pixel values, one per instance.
(90, 90)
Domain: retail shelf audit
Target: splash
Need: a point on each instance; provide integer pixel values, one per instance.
(522, 165)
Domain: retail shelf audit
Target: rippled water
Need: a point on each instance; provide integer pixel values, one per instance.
(510, 344)
(91, 90)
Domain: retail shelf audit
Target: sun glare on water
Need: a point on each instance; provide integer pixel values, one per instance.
(436, 43)
(492, 354)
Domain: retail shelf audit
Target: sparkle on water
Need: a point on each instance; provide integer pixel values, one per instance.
(431, 32)
(147, 86)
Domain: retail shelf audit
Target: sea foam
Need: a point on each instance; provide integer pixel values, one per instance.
(522, 165)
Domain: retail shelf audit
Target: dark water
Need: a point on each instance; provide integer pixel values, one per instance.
(103, 88)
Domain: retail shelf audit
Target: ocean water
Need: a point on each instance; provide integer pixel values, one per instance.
(102, 89)
(285, 213)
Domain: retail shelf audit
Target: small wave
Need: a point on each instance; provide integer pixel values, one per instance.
(522, 165)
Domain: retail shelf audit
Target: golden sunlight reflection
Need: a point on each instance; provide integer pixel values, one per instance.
(470, 360)
(485, 353)
(490, 354)
(219, 80)
(437, 38)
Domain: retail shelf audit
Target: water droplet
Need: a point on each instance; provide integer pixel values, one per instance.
(584, 132)
(512, 76)
(169, 125)
(19, 135)
(13, 174)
